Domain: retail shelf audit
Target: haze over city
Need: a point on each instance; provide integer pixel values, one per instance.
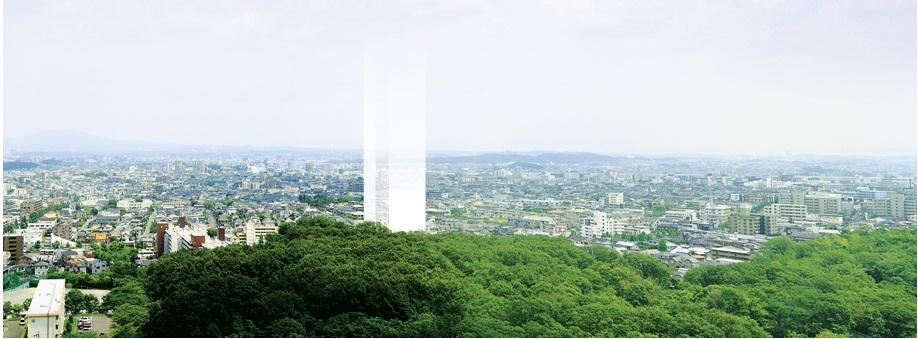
(688, 77)
(459, 169)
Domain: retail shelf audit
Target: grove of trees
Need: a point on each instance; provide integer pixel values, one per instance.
(322, 278)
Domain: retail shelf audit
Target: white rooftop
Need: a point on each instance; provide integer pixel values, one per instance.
(48, 298)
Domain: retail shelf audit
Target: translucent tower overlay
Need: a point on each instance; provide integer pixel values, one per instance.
(394, 139)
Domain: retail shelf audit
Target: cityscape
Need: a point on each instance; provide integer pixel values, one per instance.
(90, 220)
(459, 169)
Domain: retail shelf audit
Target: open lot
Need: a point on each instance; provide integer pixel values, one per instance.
(101, 324)
(20, 295)
(11, 329)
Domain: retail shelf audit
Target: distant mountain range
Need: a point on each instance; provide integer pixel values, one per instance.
(78, 142)
(530, 158)
(70, 142)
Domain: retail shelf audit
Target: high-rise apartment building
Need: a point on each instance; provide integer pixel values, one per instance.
(715, 214)
(600, 224)
(822, 203)
(748, 224)
(787, 211)
(14, 245)
(892, 204)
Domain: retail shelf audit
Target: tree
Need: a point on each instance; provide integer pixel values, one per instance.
(128, 293)
(76, 301)
(129, 318)
(661, 246)
(323, 278)
(10, 309)
(457, 212)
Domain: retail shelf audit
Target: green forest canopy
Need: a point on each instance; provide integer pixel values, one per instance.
(323, 278)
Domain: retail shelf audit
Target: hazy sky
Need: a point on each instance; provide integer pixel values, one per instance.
(710, 77)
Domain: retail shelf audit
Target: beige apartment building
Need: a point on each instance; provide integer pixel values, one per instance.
(45, 317)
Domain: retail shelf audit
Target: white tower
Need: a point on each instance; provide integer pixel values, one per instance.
(394, 144)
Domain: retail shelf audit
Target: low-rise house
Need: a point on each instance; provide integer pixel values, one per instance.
(729, 252)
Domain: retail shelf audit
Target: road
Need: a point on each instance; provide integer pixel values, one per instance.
(211, 221)
(151, 220)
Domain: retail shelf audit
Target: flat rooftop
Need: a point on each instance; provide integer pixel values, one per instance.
(48, 298)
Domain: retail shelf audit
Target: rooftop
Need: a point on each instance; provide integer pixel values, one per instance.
(48, 298)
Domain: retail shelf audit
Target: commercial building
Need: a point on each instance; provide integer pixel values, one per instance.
(45, 317)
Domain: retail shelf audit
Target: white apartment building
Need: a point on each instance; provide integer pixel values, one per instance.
(131, 204)
(45, 317)
(255, 231)
(787, 211)
(181, 238)
(600, 223)
(616, 198)
(822, 202)
(715, 214)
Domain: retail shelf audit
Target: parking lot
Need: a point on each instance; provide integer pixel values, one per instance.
(101, 323)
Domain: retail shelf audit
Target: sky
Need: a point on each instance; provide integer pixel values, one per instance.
(614, 77)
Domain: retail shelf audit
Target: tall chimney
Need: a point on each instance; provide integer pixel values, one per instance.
(221, 233)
